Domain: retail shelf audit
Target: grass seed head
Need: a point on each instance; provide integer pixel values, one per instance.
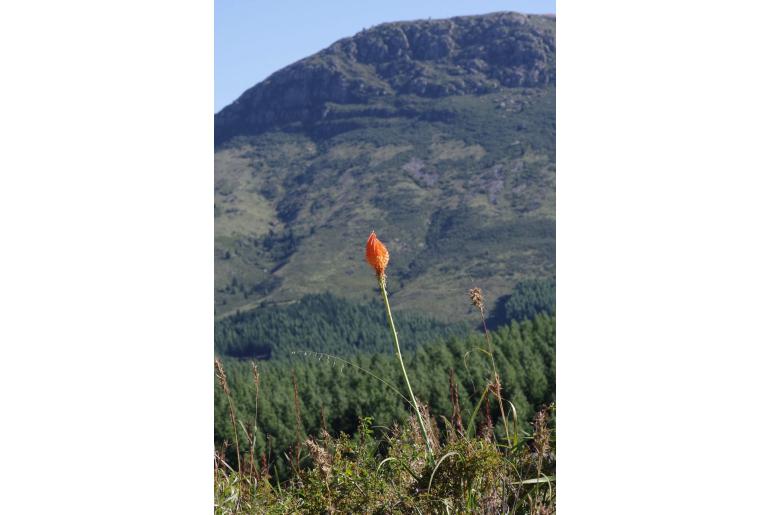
(320, 456)
(542, 433)
(477, 299)
(221, 376)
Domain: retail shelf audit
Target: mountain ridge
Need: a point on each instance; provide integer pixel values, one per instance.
(427, 58)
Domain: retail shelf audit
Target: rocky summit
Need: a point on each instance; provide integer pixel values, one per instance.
(458, 56)
(438, 134)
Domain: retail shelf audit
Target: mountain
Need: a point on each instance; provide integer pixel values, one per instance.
(438, 134)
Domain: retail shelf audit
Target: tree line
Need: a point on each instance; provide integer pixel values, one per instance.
(323, 323)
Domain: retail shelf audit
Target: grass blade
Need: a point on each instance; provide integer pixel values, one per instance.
(445, 456)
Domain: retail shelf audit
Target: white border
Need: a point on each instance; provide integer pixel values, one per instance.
(662, 256)
(107, 266)
(107, 257)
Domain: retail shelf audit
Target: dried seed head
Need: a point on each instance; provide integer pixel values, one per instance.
(495, 387)
(320, 456)
(477, 299)
(377, 255)
(255, 371)
(432, 427)
(542, 433)
(221, 376)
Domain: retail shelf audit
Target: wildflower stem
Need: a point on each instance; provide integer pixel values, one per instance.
(381, 280)
(222, 377)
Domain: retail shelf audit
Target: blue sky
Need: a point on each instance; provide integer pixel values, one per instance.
(254, 38)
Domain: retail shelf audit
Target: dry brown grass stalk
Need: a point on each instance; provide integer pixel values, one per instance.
(457, 418)
(488, 432)
(297, 415)
(477, 299)
(222, 377)
(255, 373)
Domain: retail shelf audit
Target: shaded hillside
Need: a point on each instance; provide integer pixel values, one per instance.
(437, 134)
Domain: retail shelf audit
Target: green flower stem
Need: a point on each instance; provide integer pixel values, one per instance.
(381, 280)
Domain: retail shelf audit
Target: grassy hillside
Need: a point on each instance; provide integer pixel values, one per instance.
(457, 176)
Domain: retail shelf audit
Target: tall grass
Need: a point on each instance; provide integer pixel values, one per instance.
(477, 299)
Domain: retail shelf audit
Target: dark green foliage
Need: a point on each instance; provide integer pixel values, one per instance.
(322, 323)
(529, 298)
(524, 354)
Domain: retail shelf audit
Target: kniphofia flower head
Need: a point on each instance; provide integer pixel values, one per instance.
(377, 255)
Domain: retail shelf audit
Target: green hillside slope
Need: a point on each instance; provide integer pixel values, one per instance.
(438, 134)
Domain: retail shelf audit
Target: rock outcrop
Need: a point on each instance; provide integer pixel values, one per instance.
(427, 58)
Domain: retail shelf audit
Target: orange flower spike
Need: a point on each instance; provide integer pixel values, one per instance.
(377, 255)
